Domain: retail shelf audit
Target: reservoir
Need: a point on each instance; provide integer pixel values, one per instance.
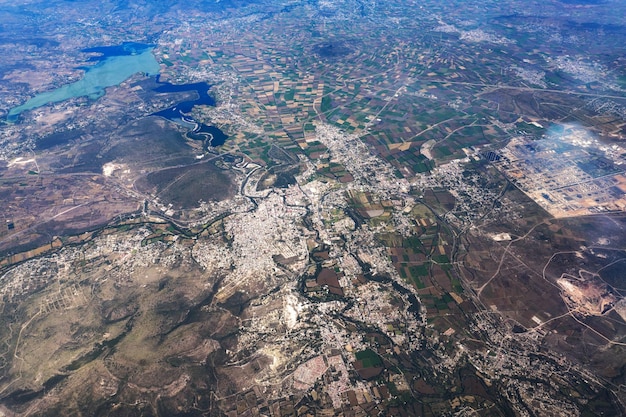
(115, 64)
(211, 136)
(109, 71)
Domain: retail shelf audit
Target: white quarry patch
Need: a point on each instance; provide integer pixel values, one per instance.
(427, 147)
(20, 161)
(110, 167)
(569, 287)
(603, 241)
(278, 359)
(501, 237)
(588, 297)
(291, 311)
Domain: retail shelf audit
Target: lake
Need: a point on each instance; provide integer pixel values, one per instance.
(110, 71)
(179, 113)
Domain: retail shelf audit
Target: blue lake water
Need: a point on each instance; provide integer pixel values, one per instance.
(126, 48)
(110, 71)
(115, 64)
(210, 135)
